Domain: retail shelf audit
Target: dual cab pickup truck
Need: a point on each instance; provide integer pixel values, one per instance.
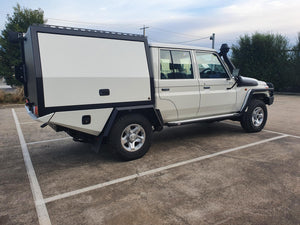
(97, 84)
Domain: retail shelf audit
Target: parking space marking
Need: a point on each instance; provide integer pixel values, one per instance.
(265, 130)
(28, 122)
(275, 132)
(39, 202)
(66, 138)
(50, 140)
(157, 170)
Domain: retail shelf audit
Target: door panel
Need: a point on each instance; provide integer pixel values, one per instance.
(217, 96)
(184, 94)
(177, 85)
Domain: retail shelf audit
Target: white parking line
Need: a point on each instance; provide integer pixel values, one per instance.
(153, 171)
(40, 201)
(34, 184)
(51, 140)
(265, 130)
(275, 132)
(28, 122)
(233, 124)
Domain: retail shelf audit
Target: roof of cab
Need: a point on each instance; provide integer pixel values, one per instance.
(177, 46)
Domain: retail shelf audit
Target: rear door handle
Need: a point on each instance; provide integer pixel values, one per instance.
(206, 87)
(165, 89)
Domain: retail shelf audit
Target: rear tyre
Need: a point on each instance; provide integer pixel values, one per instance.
(255, 118)
(131, 136)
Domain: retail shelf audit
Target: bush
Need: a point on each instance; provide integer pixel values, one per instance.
(10, 55)
(12, 98)
(264, 57)
(268, 57)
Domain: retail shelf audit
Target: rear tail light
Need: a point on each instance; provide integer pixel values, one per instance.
(35, 110)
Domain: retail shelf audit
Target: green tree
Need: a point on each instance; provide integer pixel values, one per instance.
(10, 55)
(295, 62)
(263, 56)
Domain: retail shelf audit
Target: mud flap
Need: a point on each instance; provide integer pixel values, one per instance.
(96, 144)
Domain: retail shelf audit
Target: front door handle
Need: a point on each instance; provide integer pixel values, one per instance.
(206, 87)
(165, 89)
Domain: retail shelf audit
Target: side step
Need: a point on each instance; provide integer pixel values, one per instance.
(209, 118)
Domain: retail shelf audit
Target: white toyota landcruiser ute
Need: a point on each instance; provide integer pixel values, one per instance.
(97, 84)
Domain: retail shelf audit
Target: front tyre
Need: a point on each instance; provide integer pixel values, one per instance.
(255, 118)
(131, 136)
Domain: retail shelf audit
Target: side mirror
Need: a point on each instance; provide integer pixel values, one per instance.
(235, 73)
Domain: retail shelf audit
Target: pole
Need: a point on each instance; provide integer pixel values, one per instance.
(144, 30)
(213, 40)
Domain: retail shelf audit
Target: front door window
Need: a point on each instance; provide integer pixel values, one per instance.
(209, 66)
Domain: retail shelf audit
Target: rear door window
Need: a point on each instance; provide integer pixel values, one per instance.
(175, 64)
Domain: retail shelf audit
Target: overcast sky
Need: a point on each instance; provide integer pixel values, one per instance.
(172, 21)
